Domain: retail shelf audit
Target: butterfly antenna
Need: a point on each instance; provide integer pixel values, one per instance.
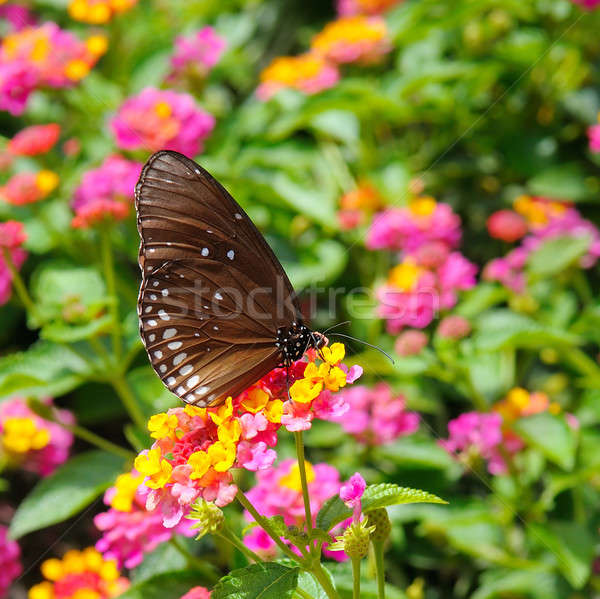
(366, 343)
(335, 326)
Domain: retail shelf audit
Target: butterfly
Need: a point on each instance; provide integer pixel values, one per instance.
(217, 311)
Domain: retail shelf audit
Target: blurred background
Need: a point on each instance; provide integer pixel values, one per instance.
(386, 149)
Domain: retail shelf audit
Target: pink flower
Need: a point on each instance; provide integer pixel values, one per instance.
(105, 192)
(162, 120)
(197, 593)
(34, 140)
(351, 494)
(594, 135)
(587, 4)
(10, 561)
(197, 53)
(455, 274)
(17, 15)
(454, 327)
(278, 492)
(365, 7)
(17, 81)
(29, 441)
(411, 227)
(410, 343)
(376, 415)
(131, 531)
(12, 235)
(475, 434)
(506, 225)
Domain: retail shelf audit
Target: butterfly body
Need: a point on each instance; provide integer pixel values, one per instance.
(217, 311)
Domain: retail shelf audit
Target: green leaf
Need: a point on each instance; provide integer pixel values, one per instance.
(341, 125)
(551, 435)
(168, 585)
(330, 260)
(334, 510)
(572, 546)
(565, 182)
(557, 254)
(534, 584)
(268, 580)
(62, 332)
(71, 488)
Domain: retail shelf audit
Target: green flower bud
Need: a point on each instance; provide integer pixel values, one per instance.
(380, 520)
(355, 540)
(209, 517)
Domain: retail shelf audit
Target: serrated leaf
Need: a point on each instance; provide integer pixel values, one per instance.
(268, 580)
(66, 492)
(334, 510)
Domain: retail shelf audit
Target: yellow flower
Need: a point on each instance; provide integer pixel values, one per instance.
(162, 425)
(21, 435)
(424, 206)
(73, 562)
(405, 275)
(46, 181)
(109, 571)
(93, 559)
(518, 397)
(86, 594)
(163, 109)
(335, 379)
(97, 44)
(153, 466)
(223, 412)
(304, 390)
(52, 569)
(255, 400)
(76, 69)
(126, 486)
(200, 463)
(289, 70)
(44, 590)
(193, 411)
(230, 431)
(273, 411)
(222, 455)
(335, 354)
(292, 479)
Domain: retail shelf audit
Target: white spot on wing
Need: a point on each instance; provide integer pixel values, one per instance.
(238, 216)
(193, 381)
(179, 358)
(174, 345)
(165, 292)
(153, 297)
(169, 333)
(152, 337)
(185, 370)
(171, 380)
(204, 251)
(218, 296)
(158, 354)
(151, 323)
(163, 315)
(231, 254)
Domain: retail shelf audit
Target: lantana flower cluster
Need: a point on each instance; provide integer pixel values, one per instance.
(196, 54)
(10, 561)
(29, 441)
(431, 271)
(29, 188)
(12, 237)
(17, 16)
(357, 204)
(78, 575)
(196, 448)
(377, 414)
(545, 219)
(488, 436)
(98, 12)
(105, 192)
(34, 140)
(158, 119)
(356, 39)
(129, 529)
(43, 56)
(278, 492)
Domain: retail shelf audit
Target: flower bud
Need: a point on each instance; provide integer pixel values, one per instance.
(454, 327)
(209, 518)
(380, 520)
(410, 343)
(355, 540)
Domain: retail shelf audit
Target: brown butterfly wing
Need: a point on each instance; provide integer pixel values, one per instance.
(213, 294)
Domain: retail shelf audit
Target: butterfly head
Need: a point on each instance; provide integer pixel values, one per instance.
(295, 339)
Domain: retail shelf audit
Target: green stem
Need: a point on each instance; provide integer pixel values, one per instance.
(324, 580)
(128, 399)
(18, 284)
(303, 479)
(356, 578)
(228, 535)
(581, 362)
(97, 440)
(109, 274)
(264, 524)
(379, 568)
(302, 593)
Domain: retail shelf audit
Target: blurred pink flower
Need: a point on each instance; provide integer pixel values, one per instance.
(376, 415)
(594, 135)
(587, 4)
(506, 225)
(278, 492)
(197, 53)
(17, 81)
(29, 441)
(410, 343)
(17, 15)
(197, 593)
(475, 434)
(34, 140)
(129, 530)
(409, 228)
(12, 236)
(10, 561)
(454, 327)
(351, 493)
(105, 192)
(365, 7)
(162, 120)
